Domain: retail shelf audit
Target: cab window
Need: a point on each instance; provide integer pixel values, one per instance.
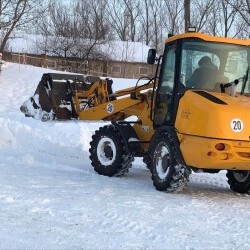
(165, 88)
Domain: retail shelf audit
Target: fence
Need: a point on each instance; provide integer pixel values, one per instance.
(91, 67)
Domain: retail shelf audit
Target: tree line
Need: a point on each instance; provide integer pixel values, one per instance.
(76, 28)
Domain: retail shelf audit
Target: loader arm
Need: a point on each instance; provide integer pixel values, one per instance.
(107, 109)
(74, 97)
(107, 106)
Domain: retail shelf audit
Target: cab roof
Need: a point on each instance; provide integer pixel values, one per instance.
(209, 38)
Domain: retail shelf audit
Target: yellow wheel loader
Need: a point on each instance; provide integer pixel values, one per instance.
(194, 115)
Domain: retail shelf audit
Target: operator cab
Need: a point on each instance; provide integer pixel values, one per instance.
(197, 62)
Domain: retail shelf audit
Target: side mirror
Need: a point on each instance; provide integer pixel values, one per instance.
(151, 56)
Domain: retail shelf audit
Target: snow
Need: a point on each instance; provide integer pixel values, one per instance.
(115, 50)
(105, 161)
(51, 198)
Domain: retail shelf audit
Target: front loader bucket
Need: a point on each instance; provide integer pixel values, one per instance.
(53, 98)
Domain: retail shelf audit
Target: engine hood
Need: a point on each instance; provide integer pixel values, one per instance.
(214, 115)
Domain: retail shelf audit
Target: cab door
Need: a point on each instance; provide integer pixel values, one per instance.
(164, 96)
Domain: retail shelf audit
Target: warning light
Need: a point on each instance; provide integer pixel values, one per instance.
(191, 29)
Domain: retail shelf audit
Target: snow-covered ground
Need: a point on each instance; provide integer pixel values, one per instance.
(51, 198)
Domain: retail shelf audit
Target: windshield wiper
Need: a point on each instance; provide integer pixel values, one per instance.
(227, 85)
(244, 79)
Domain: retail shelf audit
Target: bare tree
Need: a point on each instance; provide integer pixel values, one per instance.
(214, 20)
(133, 13)
(174, 10)
(75, 30)
(63, 39)
(119, 18)
(229, 16)
(15, 14)
(155, 8)
(201, 12)
(92, 27)
(242, 7)
(224, 20)
(81, 29)
(147, 21)
(145, 18)
(57, 29)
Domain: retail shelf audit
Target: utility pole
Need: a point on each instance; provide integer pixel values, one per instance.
(1, 62)
(187, 14)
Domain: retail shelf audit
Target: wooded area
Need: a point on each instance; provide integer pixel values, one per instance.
(75, 28)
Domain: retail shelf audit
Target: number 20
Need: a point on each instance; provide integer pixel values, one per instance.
(237, 125)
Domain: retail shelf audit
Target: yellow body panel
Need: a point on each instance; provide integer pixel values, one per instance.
(201, 153)
(208, 38)
(202, 123)
(200, 116)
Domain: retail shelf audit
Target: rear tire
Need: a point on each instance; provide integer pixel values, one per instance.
(239, 181)
(147, 160)
(108, 154)
(167, 174)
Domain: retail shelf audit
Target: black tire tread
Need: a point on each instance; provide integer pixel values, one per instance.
(123, 163)
(236, 186)
(179, 176)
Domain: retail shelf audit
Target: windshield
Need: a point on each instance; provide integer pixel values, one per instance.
(205, 65)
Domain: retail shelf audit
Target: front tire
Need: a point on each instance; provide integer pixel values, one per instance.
(239, 181)
(167, 174)
(108, 154)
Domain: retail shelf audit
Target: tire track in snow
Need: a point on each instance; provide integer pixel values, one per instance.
(209, 180)
(211, 196)
(60, 155)
(207, 190)
(114, 221)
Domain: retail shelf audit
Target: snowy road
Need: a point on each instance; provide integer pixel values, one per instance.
(51, 198)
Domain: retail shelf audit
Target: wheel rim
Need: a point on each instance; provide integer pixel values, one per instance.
(241, 176)
(106, 151)
(163, 162)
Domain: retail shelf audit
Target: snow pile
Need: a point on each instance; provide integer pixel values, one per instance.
(51, 198)
(6, 137)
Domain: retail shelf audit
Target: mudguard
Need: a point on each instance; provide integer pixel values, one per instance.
(170, 130)
(129, 136)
